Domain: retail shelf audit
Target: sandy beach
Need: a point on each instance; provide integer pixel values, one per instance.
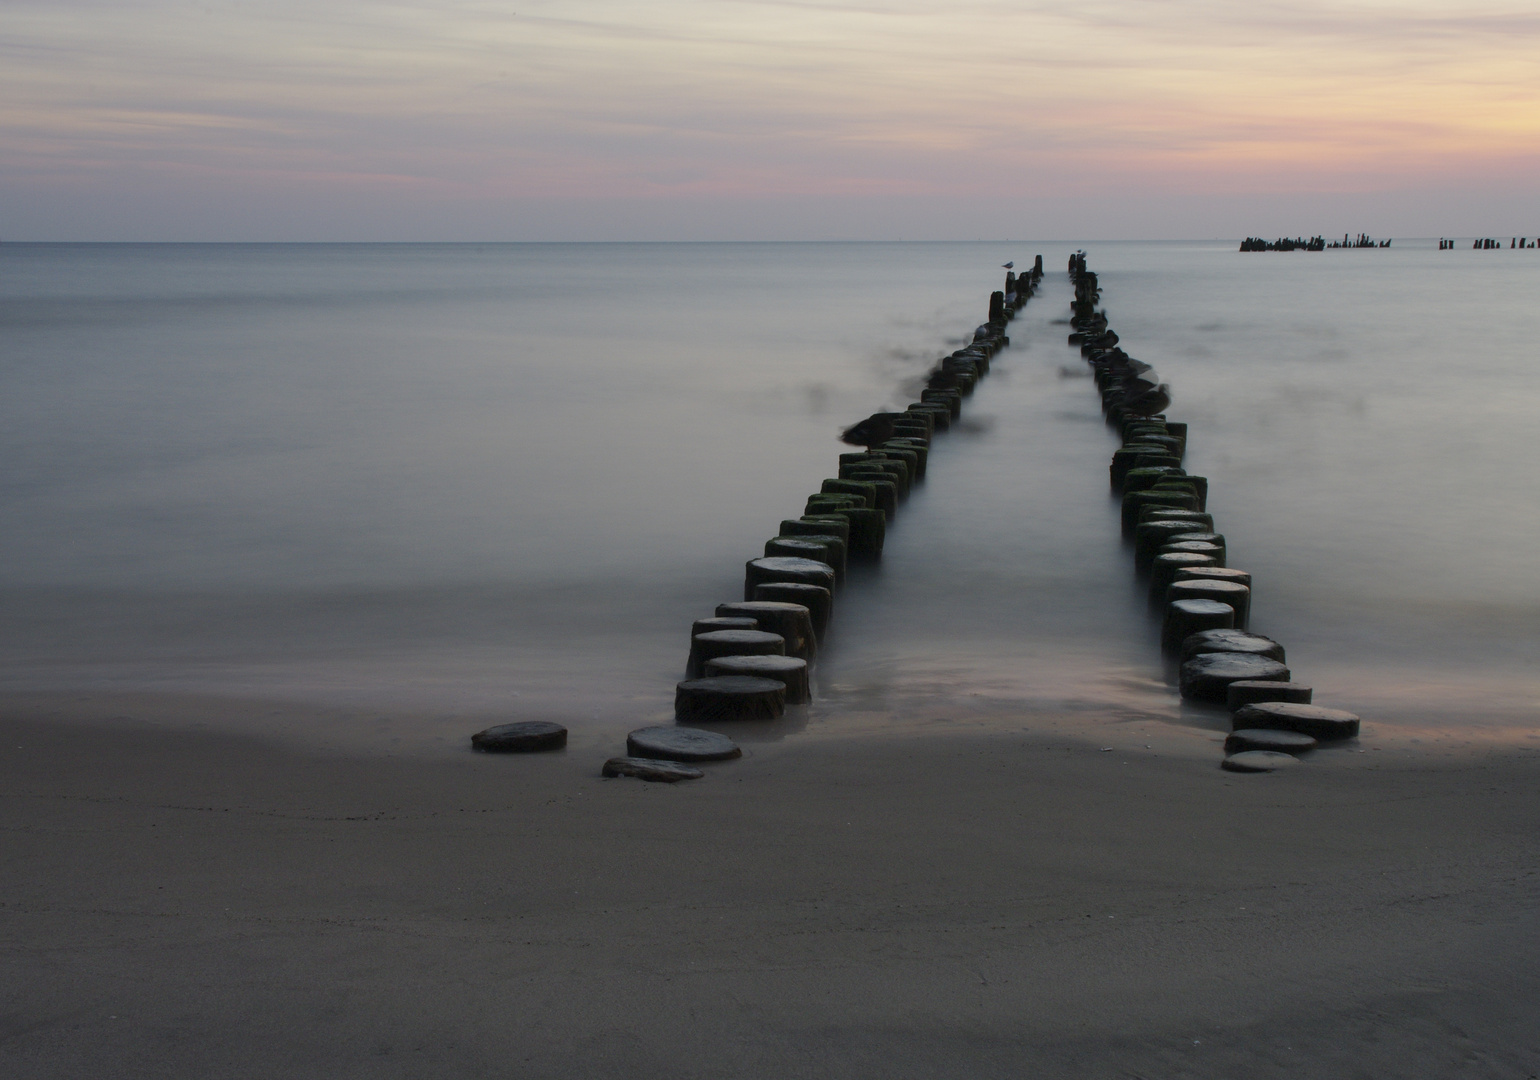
(963, 904)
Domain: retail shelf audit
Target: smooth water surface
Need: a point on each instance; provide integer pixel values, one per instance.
(444, 482)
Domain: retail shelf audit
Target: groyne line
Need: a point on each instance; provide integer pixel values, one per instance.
(750, 658)
(1205, 602)
(791, 589)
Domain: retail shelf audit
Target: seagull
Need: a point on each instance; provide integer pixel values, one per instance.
(873, 431)
(1150, 402)
(1008, 266)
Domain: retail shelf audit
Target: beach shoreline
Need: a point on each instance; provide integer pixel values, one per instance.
(960, 902)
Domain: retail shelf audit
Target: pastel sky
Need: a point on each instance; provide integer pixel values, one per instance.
(765, 119)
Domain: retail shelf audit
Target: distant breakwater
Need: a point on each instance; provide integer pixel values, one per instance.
(1315, 243)
(1486, 243)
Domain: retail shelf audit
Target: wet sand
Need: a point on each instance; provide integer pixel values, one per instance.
(962, 904)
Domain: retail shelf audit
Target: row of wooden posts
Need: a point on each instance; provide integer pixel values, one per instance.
(750, 658)
(1205, 603)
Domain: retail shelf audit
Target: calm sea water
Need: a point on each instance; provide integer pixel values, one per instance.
(435, 483)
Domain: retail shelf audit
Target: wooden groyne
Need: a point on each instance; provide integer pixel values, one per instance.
(751, 658)
(1205, 603)
(791, 590)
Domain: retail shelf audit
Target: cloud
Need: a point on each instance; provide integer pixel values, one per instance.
(602, 100)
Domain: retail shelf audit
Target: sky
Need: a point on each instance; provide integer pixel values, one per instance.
(765, 119)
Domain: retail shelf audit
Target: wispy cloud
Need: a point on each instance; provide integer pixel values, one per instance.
(599, 98)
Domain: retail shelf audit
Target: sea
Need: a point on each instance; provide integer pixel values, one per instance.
(378, 495)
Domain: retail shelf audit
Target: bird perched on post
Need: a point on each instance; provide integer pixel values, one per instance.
(1152, 401)
(873, 431)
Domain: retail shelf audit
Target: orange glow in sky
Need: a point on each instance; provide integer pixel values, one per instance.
(595, 119)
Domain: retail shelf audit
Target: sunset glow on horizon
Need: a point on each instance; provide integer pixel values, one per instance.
(775, 119)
